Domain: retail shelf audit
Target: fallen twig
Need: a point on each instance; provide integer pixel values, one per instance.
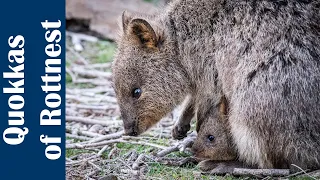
(91, 121)
(260, 172)
(107, 137)
(179, 146)
(91, 73)
(99, 144)
(250, 172)
(144, 143)
(77, 137)
(138, 162)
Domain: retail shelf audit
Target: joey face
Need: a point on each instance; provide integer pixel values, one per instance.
(214, 140)
(146, 80)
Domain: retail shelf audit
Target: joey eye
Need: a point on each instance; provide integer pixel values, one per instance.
(136, 93)
(210, 137)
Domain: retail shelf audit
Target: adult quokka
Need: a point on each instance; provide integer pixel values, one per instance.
(264, 56)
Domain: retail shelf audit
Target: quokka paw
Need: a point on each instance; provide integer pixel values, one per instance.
(180, 132)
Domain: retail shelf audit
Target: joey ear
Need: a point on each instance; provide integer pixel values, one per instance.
(223, 107)
(126, 18)
(143, 33)
(198, 124)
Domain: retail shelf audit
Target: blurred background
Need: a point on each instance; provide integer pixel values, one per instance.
(99, 17)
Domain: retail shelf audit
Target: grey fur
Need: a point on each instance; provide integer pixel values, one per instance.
(264, 56)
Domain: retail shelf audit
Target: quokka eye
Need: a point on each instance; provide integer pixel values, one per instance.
(136, 93)
(210, 137)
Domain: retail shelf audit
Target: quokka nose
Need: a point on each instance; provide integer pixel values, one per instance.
(133, 133)
(130, 129)
(194, 149)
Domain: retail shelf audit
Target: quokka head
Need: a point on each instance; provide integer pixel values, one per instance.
(146, 78)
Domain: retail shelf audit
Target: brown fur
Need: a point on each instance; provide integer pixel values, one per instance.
(181, 128)
(216, 124)
(264, 56)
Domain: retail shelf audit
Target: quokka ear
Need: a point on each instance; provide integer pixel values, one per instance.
(126, 18)
(143, 33)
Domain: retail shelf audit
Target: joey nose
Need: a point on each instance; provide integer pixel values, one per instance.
(194, 149)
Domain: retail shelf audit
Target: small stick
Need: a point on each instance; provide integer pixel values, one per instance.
(86, 99)
(102, 150)
(107, 137)
(77, 137)
(113, 151)
(112, 141)
(313, 174)
(97, 82)
(143, 143)
(88, 133)
(168, 151)
(91, 73)
(260, 172)
(81, 106)
(83, 146)
(91, 121)
(187, 142)
(304, 171)
(99, 89)
(95, 166)
(138, 162)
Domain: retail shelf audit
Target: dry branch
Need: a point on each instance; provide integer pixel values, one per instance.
(99, 144)
(142, 142)
(77, 137)
(138, 162)
(90, 73)
(249, 172)
(91, 121)
(99, 89)
(107, 137)
(112, 141)
(97, 98)
(313, 175)
(97, 82)
(168, 151)
(260, 172)
(89, 134)
(102, 150)
(180, 146)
